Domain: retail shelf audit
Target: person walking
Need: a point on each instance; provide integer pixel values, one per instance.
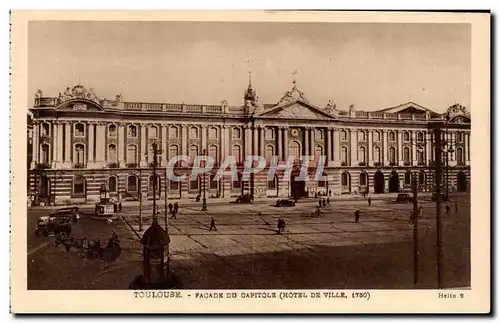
(170, 207)
(212, 224)
(369, 201)
(176, 207)
(356, 216)
(447, 208)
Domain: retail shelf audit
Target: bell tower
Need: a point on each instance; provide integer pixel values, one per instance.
(250, 96)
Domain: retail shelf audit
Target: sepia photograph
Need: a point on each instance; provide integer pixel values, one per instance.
(255, 160)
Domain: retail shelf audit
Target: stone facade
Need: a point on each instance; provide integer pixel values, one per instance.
(81, 141)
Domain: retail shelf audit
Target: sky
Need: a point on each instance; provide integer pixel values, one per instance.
(373, 66)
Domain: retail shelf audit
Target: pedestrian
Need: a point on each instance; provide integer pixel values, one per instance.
(329, 192)
(212, 224)
(174, 214)
(369, 201)
(447, 208)
(120, 199)
(319, 204)
(176, 207)
(328, 201)
(279, 226)
(170, 207)
(356, 216)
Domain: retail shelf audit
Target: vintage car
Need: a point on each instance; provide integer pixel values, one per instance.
(245, 198)
(285, 202)
(54, 224)
(74, 211)
(404, 198)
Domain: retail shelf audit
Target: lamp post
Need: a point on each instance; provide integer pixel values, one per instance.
(415, 228)
(204, 202)
(155, 152)
(140, 200)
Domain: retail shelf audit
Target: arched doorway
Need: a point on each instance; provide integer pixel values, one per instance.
(394, 182)
(378, 182)
(297, 186)
(363, 182)
(345, 182)
(461, 182)
(421, 180)
(44, 188)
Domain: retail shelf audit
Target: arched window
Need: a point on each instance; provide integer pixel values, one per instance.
(132, 131)
(45, 153)
(323, 183)
(460, 137)
(362, 154)
(294, 150)
(318, 134)
(343, 154)
(112, 130)
(45, 129)
(173, 132)
(193, 133)
(79, 154)
(173, 151)
(132, 154)
(345, 179)
(376, 136)
(407, 178)
(392, 136)
(376, 154)
(193, 153)
(79, 130)
(269, 152)
(78, 185)
(460, 155)
(343, 135)
(214, 184)
(269, 133)
(237, 153)
(132, 183)
(361, 135)
(420, 156)
(153, 132)
(112, 153)
(273, 183)
(406, 154)
(406, 136)
(363, 179)
(318, 152)
(212, 133)
(113, 184)
(392, 154)
(236, 133)
(420, 137)
(212, 152)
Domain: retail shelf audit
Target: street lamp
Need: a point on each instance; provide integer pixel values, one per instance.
(204, 202)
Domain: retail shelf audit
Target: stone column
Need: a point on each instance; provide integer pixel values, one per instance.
(143, 149)
(35, 144)
(255, 140)
(67, 145)
(385, 148)
(91, 158)
(184, 142)
(467, 147)
(55, 141)
(285, 133)
(329, 143)
(369, 151)
(100, 145)
(336, 146)
(121, 145)
(262, 144)
(354, 147)
(164, 146)
(203, 133)
(306, 141)
(280, 143)
(313, 142)
(428, 148)
(227, 144)
(414, 148)
(247, 143)
(399, 152)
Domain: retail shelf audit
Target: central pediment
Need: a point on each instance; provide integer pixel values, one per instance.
(296, 110)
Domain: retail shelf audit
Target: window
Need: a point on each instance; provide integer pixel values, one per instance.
(132, 183)
(79, 154)
(420, 156)
(318, 151)
(362, 179)
(294, 150)
(45, 131)
(269, 133)
(173, 132)
(237, 153)
(78, 185)
(173, 151)
(460, 137)
(406, 136)
(212, 133)
(153, 132)
(376, 136)
(79, 130)
(236, 133)
(111, 153)
(420, 137)
(132, 131)
(212, 152)
(44, 155)
(194, 184)
(193, 133)
(392, 136)
(361, 135)
(113, 184)
(406, 154)
(343, 135)
(269, 152)
(362, 154)
(460, 155)
(213, 183)
(132, 154)
(376, 154)
(112, 130)
(407, 178)
(193, 152)
(174, 185)
(318, 134)
(344, 179)
(392, 155)
(273, 184)
(237, 183)
(343, 154)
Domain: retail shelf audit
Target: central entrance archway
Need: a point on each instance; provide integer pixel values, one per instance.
(378, 182)
(461, 182)
(394, 182)
(297, 186)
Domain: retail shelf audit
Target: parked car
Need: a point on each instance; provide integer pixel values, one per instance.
(285, 202)
(245, 198)
(74, 211)
(405, 198)
(54, 224)
(443, 197)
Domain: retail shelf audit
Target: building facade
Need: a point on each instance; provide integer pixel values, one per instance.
(81, 141)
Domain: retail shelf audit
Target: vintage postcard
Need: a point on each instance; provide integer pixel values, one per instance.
(250, 162)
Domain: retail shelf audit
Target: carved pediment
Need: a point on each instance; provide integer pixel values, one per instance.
(457, 110)
(297, 110)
